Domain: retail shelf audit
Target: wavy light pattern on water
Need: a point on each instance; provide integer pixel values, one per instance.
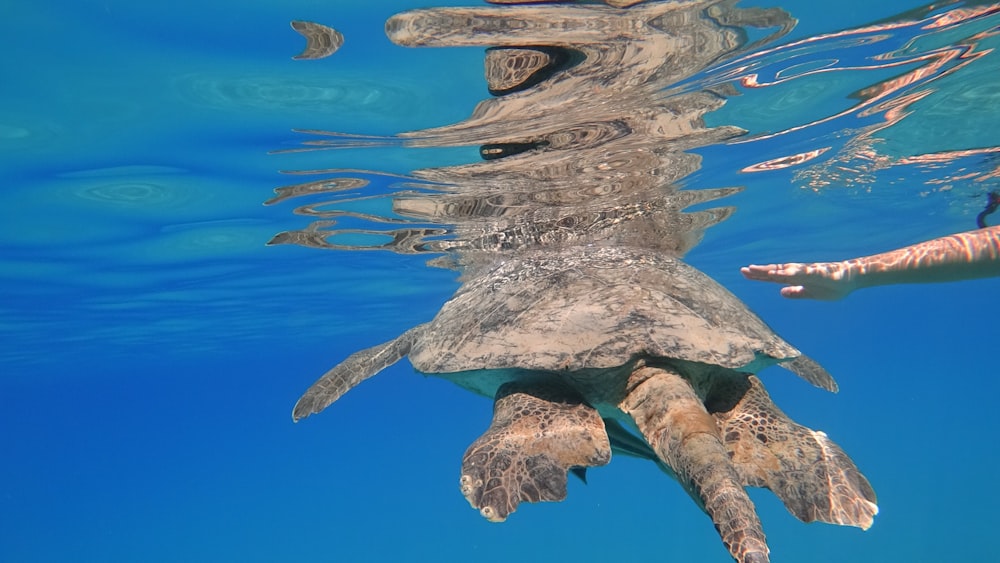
(918, 54)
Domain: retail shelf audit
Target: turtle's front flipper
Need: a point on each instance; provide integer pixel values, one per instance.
(810, 370)
(812, 475)
(684, 435)
(537, 435)
(358, 367)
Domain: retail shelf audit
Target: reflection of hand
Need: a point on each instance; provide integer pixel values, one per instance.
(824, 280)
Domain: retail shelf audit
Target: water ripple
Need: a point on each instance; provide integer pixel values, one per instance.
(130, 193)
(285, 93)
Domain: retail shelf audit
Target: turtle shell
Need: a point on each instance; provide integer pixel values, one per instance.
(593, 307)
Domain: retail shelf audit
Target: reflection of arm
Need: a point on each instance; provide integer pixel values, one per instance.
(973, 254)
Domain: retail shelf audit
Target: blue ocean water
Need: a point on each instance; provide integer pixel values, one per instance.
(152, 345)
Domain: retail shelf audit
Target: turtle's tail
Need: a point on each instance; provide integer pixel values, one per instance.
(685, 436)
(358, 367)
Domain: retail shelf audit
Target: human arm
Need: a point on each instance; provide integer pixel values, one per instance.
(969, 255)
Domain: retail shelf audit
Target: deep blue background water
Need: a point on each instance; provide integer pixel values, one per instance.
(152, 347)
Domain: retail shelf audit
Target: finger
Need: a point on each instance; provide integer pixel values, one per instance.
(762, 267)
(794, 292)
(762, 273)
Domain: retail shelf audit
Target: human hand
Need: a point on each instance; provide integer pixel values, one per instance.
(822, 280)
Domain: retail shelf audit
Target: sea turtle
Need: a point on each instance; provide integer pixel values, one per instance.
(579, 343)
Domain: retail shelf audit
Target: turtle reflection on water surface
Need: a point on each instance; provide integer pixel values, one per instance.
(577, 344)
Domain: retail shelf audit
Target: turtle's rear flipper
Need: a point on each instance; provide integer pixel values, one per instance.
(813, 477)
(358, 367)
(536, 436)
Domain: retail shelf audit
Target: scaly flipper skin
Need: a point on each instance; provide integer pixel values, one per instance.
(321, 41)
(813, 477)
(537, 434)
(810, 370)
(358, 367)
(512, 69)
(685, 436)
